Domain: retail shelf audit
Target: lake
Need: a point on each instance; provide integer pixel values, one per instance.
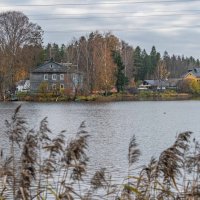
(111, 125)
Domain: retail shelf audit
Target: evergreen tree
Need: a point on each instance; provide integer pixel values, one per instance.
(137, 61)
(197, 63)
(47, 52)
(145, 65)
(62, 52)
(166, 59)
(56, 53)
(122, 80)
(154, 59)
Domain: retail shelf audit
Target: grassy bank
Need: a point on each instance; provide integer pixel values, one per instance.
(141, 96)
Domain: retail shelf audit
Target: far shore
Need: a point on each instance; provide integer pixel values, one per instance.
(142, 96)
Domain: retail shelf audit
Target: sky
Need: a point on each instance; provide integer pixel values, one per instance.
(171, 25)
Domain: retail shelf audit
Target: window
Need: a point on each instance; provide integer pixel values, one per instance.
(61, 76)
(61, 86)
(53, 86)
(45, 76)
(54, 77)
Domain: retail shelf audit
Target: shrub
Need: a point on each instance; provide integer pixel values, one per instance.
(189, 86)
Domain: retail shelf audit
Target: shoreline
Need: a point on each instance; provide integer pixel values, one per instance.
(144, 96)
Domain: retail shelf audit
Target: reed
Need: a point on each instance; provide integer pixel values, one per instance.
(43, 165)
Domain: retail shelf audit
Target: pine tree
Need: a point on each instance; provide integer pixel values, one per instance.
(143, 73)
(122, 80)
(154, 58)
(137, 61)
(166, 59)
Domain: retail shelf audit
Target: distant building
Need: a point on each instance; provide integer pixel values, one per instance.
(53, 76)
(159, 84)
(154, 84)
(192, 74)
(23, 86)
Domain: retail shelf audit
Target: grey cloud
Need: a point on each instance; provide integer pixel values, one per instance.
(145, 28)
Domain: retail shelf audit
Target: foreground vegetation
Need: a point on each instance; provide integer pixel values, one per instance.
(38, 165)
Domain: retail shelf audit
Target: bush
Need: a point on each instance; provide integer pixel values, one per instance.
(189, 86)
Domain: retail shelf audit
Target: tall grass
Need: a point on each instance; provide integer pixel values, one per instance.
(40, 166)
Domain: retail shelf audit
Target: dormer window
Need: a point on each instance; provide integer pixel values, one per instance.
(54, 77)
(45, 76)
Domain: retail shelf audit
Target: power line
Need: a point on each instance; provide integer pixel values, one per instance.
(113, 17)
(111, 13)
(125, 29)
(134, 15)
(103, 3)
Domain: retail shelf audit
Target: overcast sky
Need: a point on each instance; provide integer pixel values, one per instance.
(173, 26)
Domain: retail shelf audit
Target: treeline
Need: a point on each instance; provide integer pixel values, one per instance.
(93, 55)
(21, 50)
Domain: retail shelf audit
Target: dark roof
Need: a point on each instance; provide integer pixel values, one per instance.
(51, 67)
(195, 71)
(156, 82)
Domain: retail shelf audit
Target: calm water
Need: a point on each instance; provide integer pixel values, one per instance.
(111, 125)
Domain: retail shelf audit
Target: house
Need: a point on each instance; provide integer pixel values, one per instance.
(160, 84)
(52, 76)
(192, 74)
(154, 84)
(23, 86)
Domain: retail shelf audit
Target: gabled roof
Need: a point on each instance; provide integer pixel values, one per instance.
(51, 67)
(195, 72)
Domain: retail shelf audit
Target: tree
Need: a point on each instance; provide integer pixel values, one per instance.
(161, 72)
(155, 57)
(144, 71)
(122, 80)
(16, 31)
(127, 57)
(189, 86)
(137, 60)
(166, 59)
